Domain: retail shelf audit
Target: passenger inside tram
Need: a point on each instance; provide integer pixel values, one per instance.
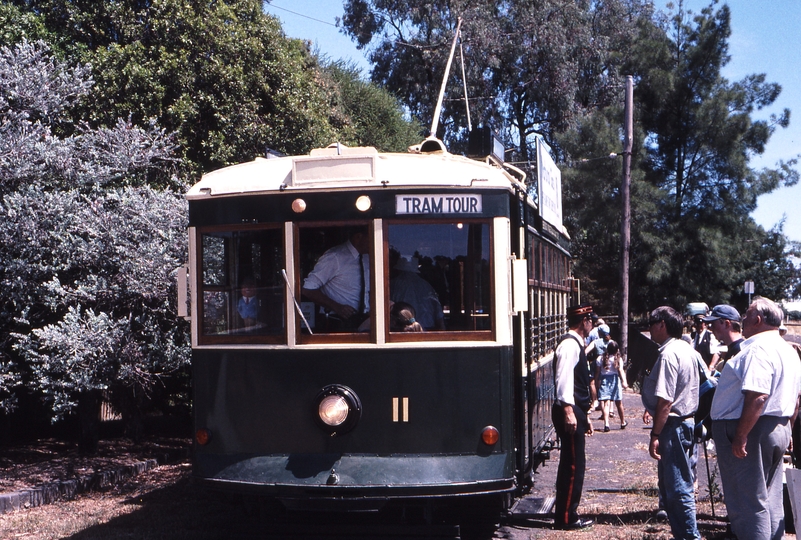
(249, 306)
(402, 318)
(406, 286)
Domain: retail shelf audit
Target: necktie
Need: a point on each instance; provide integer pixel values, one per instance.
(361, 285)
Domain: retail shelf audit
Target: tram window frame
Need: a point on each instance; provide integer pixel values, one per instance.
(232, 286)
(447, 334)
(302, 270)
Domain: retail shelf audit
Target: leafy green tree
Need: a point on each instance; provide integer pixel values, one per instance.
(531, 67)
(703, 135)
(93, 285)
(692, 186)
(87, 250)
(221, 75)
(365, 114)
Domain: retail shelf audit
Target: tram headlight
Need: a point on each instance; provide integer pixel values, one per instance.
(298, 206)
(333, 410)
(363, 203)
(338, 409)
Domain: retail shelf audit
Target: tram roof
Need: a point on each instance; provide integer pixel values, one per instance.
(340, 167)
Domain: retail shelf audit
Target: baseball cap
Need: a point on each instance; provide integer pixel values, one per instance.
(723, 311)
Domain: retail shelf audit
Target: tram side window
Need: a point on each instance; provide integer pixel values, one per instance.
(242, 286)
(442, 270)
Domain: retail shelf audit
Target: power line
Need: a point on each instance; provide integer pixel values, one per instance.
(301, 15)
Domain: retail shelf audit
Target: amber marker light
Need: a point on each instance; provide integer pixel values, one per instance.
(363, 203)
(203, 436)
(298, 206)
(490, 435)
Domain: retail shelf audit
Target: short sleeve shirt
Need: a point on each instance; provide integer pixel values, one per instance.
(338, 276)
(766, 364)
(673, 378)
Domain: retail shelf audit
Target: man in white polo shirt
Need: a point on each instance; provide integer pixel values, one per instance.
(756, 396)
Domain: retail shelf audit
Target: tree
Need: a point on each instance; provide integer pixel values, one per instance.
(703, 136)
(221, 75)
(532, 67)
(87, 251)
(365, 114)
(702, 124)
(693, 187)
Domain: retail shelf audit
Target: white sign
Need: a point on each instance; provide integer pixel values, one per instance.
(438, 204)
(549, 180)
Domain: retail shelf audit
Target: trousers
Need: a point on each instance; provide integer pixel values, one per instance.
(572, 464)
(676, 477)
(752, 486)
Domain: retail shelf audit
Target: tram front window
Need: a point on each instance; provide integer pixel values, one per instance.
(242, 288)
(443, 271)
(335, 270)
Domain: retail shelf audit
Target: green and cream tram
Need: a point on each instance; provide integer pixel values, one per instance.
(294, 406)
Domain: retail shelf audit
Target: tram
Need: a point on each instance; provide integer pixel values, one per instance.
(293, 404)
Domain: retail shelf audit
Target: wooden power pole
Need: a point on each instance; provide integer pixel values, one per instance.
(625, 226)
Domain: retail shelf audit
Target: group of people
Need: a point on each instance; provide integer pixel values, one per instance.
(758, 387)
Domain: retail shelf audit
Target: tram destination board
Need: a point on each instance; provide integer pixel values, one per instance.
(470, 204)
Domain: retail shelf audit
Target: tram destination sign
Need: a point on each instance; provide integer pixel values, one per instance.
(439, 204)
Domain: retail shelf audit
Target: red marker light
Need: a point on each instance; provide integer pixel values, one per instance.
(490, 435)
(203, 436)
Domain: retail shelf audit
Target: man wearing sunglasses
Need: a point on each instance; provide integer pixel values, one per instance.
(670, 397)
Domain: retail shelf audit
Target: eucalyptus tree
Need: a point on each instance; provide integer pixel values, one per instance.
(693, 186)
(530, 67)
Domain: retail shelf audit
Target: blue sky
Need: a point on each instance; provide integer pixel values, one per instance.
(765, 38)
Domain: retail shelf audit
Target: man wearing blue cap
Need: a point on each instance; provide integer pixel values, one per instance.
(724, 321)
(755, 399)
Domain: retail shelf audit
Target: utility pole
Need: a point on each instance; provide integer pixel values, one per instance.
(625, 226)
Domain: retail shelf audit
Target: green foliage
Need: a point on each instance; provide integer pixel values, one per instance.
(90, 289)
(365, 114)
(531, 67)
(220, 75)
(692, 187)
(86, 251)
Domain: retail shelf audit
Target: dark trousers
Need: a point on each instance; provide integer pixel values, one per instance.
(572, 463)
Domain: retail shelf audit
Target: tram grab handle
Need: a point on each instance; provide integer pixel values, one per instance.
(519, 285)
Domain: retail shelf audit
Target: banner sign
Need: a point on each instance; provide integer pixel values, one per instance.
(549, 180)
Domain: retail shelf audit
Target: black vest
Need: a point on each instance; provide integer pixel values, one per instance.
(581, 376)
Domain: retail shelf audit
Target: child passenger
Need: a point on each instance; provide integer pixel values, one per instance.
(610, 376)
(401, 318)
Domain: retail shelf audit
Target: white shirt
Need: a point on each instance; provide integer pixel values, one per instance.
(338, 276)
(410, 288)
(567, 356)
(766, 364)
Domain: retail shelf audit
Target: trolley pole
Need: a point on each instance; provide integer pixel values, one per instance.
(625, 227)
